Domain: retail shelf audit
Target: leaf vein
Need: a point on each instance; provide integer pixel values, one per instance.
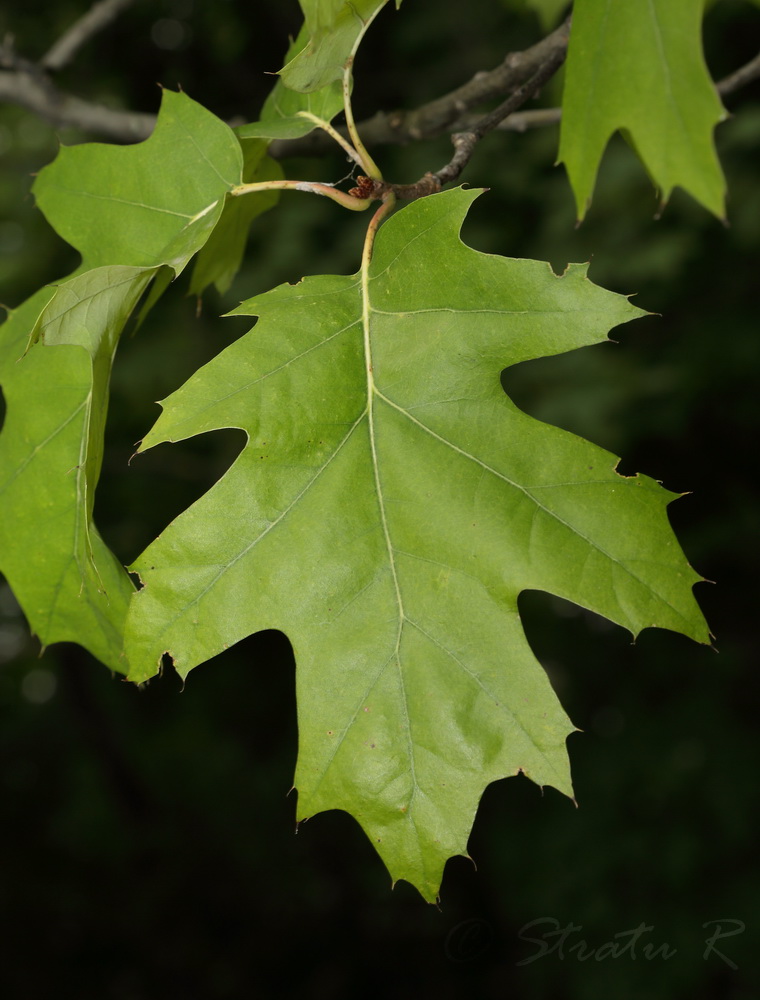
(525, 490)
(35, 451)
(226, 567)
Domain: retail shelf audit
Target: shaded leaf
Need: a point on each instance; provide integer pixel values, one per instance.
(334, 29)
(150, 206)
(388, 509)
(281, 114)
(69, 584)
(639, 68)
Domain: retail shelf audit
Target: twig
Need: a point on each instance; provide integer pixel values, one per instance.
(521, 121)
(11, 60)
(465, 142)
(28, 84)
(25, 83)
(429, 120)
(517, 68)
(98, 17)
(37, 94)
(444, 113)
(741, 77)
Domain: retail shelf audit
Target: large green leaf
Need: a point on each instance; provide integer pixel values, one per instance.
(390, 506)
(334, 29)
(132, 212)
(639, 68)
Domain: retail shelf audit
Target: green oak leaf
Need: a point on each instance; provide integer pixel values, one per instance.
(388, 509)
(155, 202)
(132, 212)
(335, 28)
(69, 584)
(219, 259)
(281, 115)
(639, 68)
(90, 311)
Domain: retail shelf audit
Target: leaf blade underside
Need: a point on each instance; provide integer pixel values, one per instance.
(334, 29)
(390, 506)
(156, 202)
(53, 558)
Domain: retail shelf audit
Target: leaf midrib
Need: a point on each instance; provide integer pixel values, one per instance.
(372, 391)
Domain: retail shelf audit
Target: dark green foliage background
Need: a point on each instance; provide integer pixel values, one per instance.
(146, 835)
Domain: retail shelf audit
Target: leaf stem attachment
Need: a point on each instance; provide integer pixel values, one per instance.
(389, 203)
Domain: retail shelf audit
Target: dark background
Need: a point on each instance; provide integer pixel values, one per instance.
(147, 841)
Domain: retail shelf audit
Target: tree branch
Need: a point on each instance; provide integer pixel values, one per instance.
(465, 142)
(447, 112)
(25, 84)
(98, 17)
(517, 68)
(740, 78)
(521, 121)
(28, 84)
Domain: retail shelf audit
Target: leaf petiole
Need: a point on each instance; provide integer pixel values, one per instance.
(389, 203)
(370, 167)
(334, 134)
(312, 187)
